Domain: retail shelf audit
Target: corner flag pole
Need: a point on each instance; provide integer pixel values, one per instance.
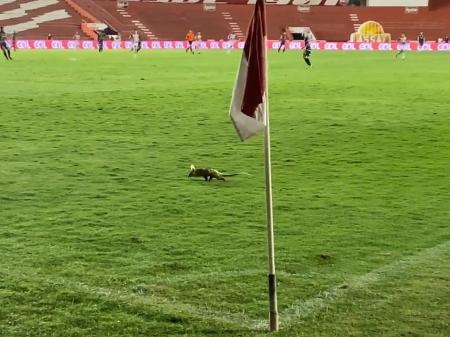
(249, 112)
(273, 306)
(273, 303)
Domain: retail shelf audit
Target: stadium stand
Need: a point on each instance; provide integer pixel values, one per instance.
(333, 23)
(396, 21)
(171, 20)
(337, 23)
(104, 12)
(125, 22)
(36, 19)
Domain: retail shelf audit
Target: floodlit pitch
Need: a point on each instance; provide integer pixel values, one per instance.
(103, 234)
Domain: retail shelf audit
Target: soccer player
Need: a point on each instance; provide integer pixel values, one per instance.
(14, 36)
(77, 38)
(139, 47)
(4, 45)
(421, 40)
(231, 38)
(307, 53)
(190, 37)
(231, 41)
(136, 39)
(282, 41)
(101, 39)
(402, 41)
(198, 42)
(130, 38)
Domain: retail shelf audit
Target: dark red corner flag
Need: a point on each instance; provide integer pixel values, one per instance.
(248, 104)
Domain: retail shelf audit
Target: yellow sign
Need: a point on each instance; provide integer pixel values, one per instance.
(370, 31)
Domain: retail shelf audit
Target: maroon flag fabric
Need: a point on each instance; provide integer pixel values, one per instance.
(248, 104)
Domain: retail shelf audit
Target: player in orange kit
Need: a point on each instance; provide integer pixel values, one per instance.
(190, 37)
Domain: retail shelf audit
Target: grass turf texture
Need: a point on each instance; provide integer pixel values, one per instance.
(102, 234)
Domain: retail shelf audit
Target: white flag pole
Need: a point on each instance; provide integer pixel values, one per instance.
(273, 303)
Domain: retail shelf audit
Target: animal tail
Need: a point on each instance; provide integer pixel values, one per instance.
(235, 174)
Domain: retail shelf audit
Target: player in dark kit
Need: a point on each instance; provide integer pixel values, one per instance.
(282, 42)
(100, 38)
(14, 36)
(421, 39)
(4, 45)
(307, 53)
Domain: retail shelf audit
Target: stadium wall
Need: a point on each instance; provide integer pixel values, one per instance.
(397, 3)
(252, 2)
(436, 4)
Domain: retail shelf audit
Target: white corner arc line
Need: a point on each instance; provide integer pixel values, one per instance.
(305, 308)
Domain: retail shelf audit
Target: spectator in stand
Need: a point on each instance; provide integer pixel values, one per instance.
(49, 36)
(446, 39)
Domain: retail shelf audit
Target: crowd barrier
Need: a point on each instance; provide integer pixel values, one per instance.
(316, 45)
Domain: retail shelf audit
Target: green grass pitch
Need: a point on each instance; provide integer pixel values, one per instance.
(103, 234)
